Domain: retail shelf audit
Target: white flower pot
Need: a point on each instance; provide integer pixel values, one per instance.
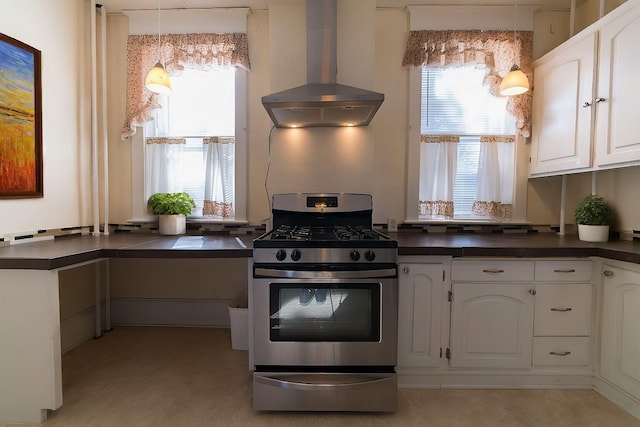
(172, 224)
(593, 233)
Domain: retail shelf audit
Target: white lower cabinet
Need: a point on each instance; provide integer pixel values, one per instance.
(620, 345)
(421, 296)
(491, 325)
(561, 351)
(563, 308)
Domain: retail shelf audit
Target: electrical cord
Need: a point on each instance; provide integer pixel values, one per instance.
(266, 176)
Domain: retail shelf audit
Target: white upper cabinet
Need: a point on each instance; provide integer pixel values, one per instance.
(617, 137)
(562, 113)
(584, 98)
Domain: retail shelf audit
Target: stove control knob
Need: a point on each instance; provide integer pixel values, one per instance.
(369, 255)
(281, 254)
(354, 255)
(296, 255)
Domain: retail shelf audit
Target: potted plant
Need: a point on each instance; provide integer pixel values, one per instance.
(593, 216)
(173, 209)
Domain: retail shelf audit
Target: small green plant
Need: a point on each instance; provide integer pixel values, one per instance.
(593, 210)
(171, 204)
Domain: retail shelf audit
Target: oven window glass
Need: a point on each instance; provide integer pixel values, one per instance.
(325, 312)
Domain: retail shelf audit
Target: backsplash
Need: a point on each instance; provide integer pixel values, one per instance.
(243, 229)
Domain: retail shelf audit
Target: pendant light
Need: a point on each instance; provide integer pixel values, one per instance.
(157, 79)
(515, 82)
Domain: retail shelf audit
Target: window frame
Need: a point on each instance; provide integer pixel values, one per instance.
(139, 205)
(413, 164)
(462, 17)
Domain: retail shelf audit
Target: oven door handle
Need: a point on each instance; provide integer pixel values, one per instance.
(310, 274)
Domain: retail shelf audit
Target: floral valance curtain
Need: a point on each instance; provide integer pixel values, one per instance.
(177, 51)
(497, 50)
(219, 175)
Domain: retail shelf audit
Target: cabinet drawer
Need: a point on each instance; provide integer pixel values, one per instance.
(563, 271)
(562, 310)
(560, 351)
(492, 271)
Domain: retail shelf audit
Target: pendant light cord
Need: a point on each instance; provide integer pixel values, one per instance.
(159, 50)
(515, 26)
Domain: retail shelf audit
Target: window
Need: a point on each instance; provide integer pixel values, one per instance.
(199, 142)
(457, 114)
(201, 105)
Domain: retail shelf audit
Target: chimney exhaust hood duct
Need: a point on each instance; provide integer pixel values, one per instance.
(322, 102)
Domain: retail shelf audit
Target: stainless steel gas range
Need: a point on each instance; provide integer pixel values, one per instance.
(325, 307)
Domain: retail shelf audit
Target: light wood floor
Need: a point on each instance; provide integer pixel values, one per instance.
(191, 377)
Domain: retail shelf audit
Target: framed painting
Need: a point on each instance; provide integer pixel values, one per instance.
(20, 120)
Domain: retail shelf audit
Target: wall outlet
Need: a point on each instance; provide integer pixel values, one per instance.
(392, 225)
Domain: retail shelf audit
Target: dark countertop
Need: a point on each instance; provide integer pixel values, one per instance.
(512, 245)
(70, 250)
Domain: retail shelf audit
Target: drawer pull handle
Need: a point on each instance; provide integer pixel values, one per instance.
(567, 270)
(559, 353)
(560, 308)
(493, 270)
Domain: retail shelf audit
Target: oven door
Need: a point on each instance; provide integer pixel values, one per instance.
(319, 320)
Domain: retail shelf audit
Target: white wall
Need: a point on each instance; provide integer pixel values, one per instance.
(277, 41)
(59, 30)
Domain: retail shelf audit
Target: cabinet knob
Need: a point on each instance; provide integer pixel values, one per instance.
(532, 291)
(586, 104)
(599, 100)
(608, 273)
(405, 270)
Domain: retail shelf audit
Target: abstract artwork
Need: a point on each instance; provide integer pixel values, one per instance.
(20, 120)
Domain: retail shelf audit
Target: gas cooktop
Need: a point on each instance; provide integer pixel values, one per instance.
(338, 232)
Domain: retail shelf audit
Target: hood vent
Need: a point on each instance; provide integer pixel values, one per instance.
(322, 102)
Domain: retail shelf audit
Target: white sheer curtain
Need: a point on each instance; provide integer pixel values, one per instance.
(494, 191)
(219, 176)
(163, 165)
(438, 162)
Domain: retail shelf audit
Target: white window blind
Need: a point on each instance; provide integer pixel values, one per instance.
(454, 101)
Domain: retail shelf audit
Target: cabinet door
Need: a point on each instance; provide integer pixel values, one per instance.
(491, 325)
(620, 352)
(561, 121)
(419, 314)
(617, 137)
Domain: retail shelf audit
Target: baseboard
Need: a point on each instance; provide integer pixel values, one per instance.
(495, 379)
(617, 396)
(169, 312)
(79, 328)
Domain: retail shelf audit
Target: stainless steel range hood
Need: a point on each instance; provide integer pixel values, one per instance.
(322, 101)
